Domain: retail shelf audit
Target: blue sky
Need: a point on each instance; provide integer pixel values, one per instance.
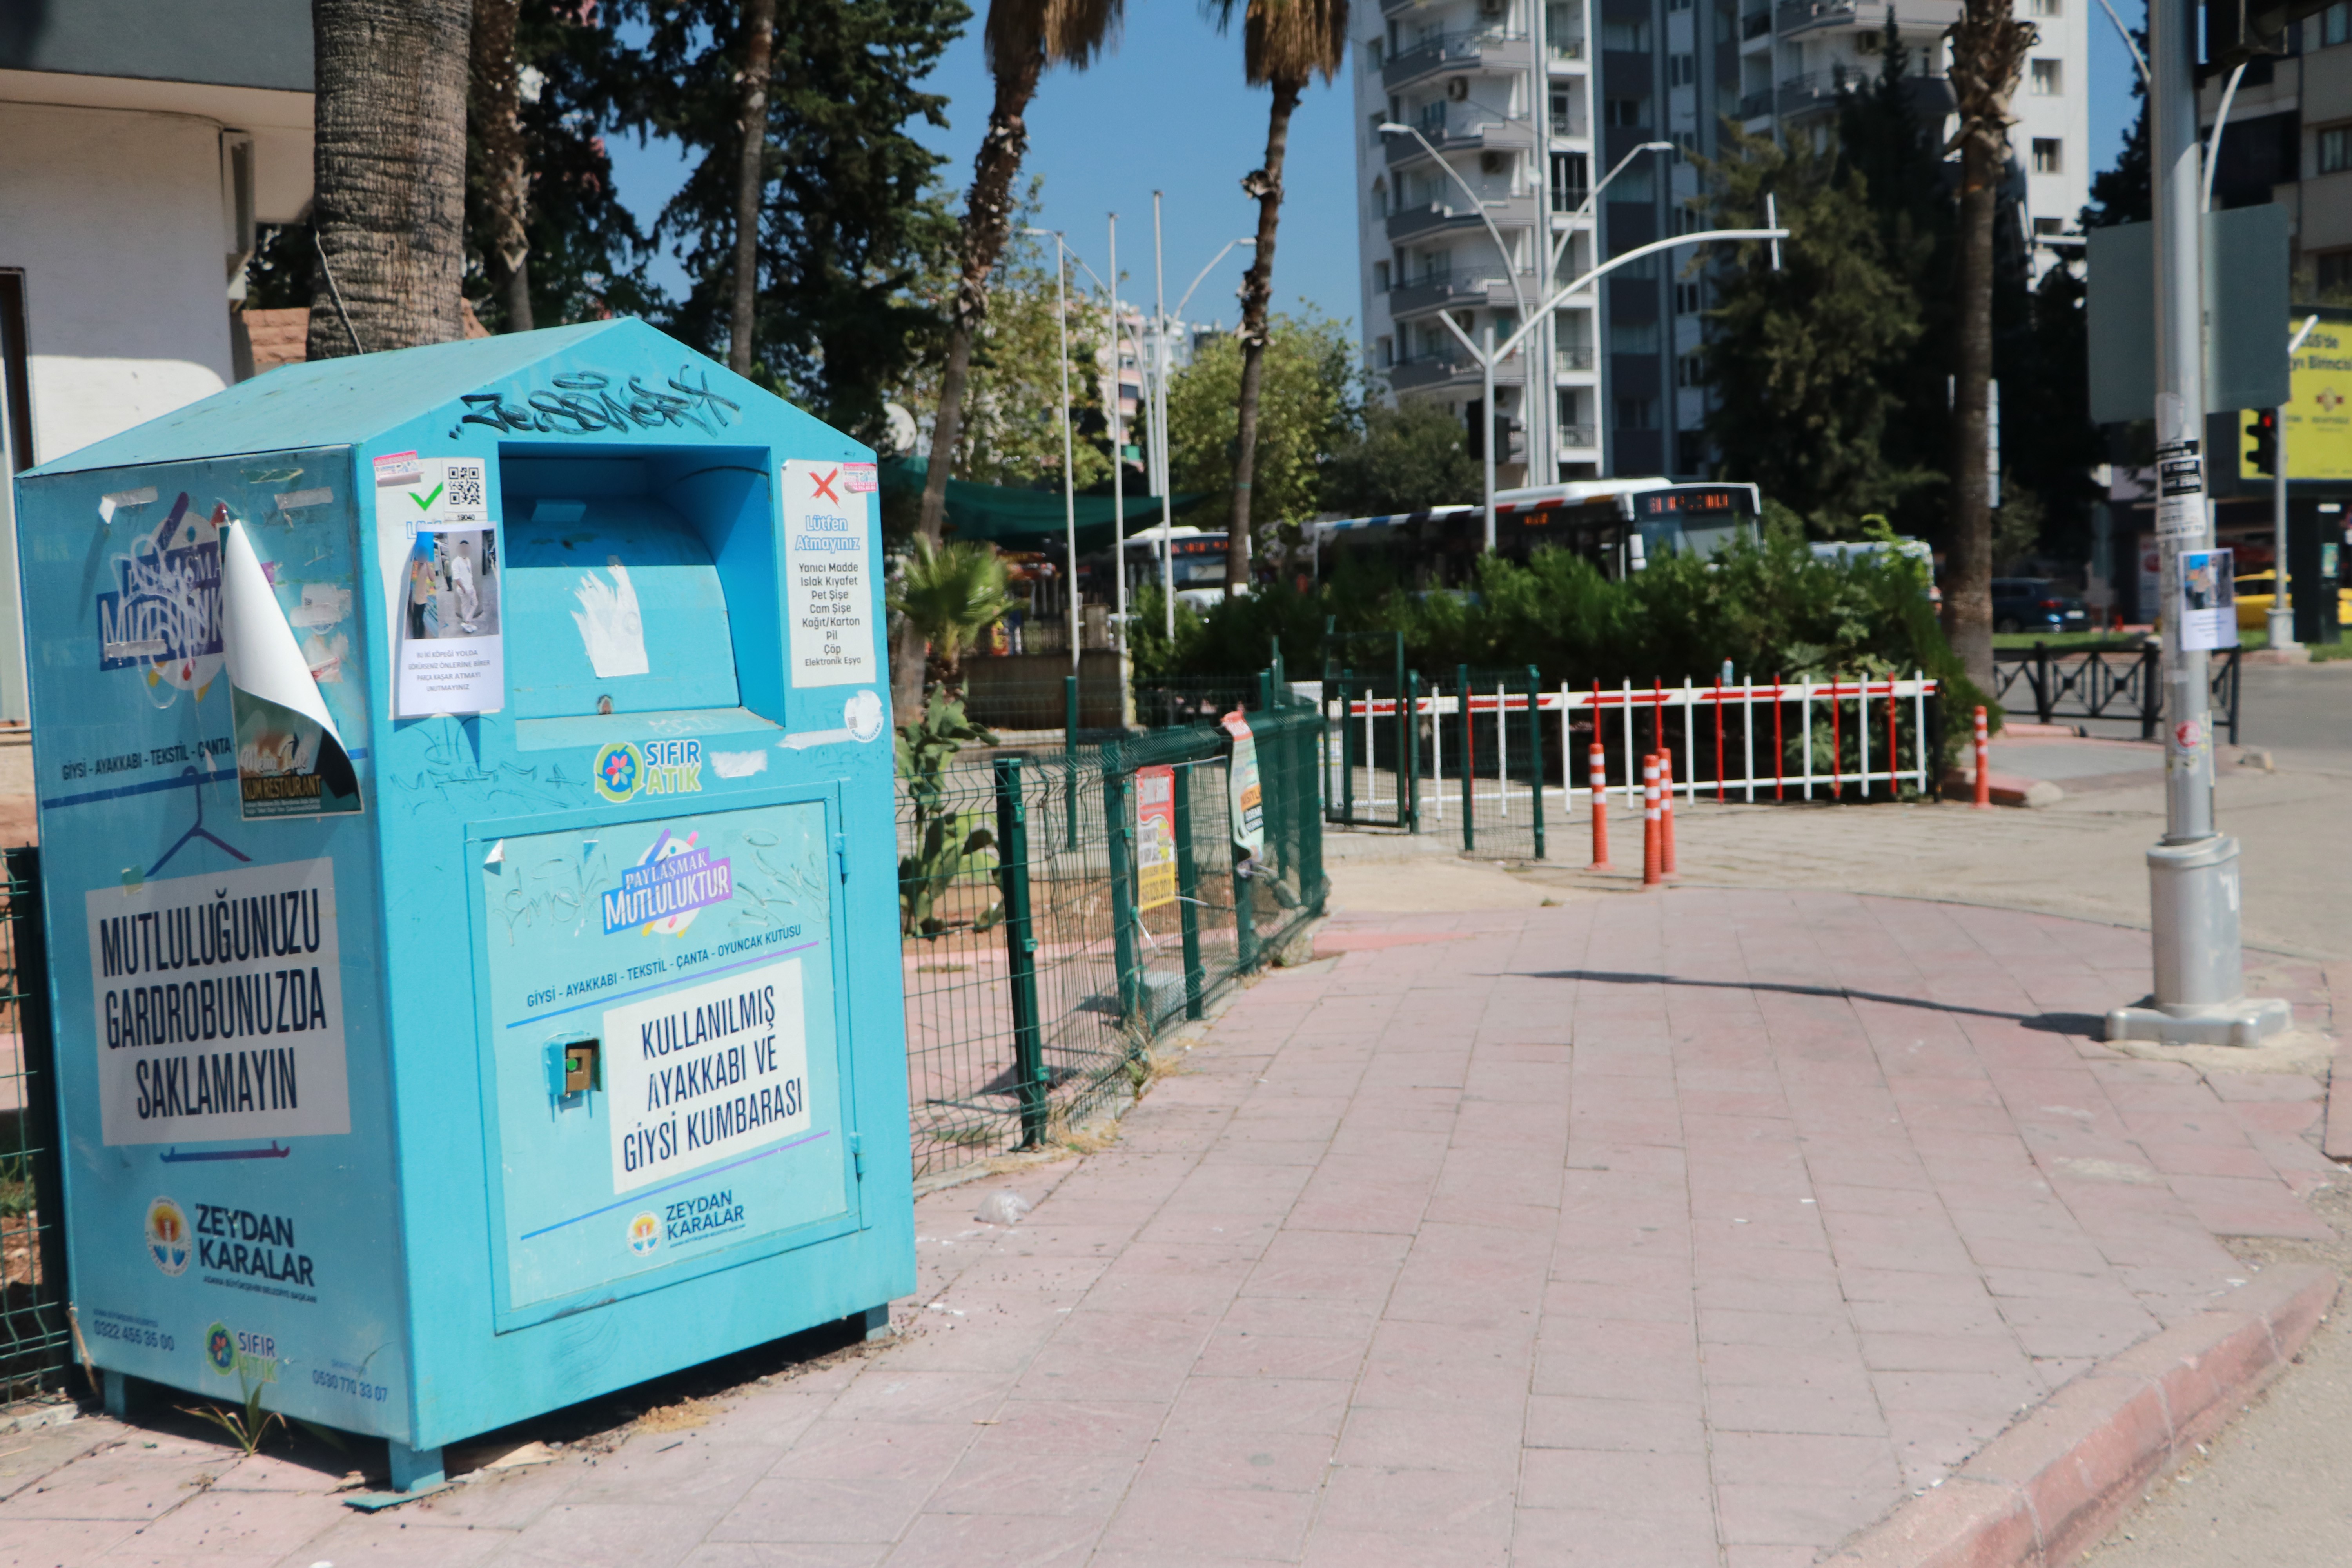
(1167, 109)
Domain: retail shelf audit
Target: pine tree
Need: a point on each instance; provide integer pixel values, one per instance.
(1804, 361)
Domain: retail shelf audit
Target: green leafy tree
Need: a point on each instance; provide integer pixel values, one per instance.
(581, 254)
(1401, 460)
(1308, 391)
(1011, 425)
(851, 221)
(1804, 361)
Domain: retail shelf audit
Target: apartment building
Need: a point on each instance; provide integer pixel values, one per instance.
(2289, 140)
(1485, 126)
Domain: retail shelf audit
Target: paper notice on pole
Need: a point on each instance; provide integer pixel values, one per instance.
(2208, 609)
(442, 563)
(831, 576)
(2181, 492)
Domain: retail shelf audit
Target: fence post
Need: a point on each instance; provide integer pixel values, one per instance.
(1245, 914)
(1188, 892)
(1411, 794)
(2229, 677)
(1119, 826)
(1535, 754)
(1070, 752)
(2151, 692)
(1469, 764)
(1347, 750)
(2041, 703)
(1020, 948)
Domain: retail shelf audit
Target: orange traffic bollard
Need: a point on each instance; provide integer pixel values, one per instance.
(1650, 871)
(1984, 763)
(1600, 808)
(1666, 813)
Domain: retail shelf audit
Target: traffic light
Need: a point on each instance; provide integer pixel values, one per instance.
(2262, 440)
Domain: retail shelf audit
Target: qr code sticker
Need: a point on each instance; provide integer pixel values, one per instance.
(466, 487)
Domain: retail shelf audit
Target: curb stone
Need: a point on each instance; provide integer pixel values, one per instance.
(2050, 1487)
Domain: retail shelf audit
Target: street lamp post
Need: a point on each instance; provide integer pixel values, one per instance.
(1487, 356)
(2200, 971)
(1069, 478)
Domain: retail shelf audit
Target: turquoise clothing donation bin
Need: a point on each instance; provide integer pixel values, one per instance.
(468, 860)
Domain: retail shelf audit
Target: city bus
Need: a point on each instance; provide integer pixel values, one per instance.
(1620, 525)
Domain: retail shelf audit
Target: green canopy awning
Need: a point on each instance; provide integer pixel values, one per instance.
(1024, 520)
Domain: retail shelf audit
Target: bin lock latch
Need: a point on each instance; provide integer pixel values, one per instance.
(573, 1069)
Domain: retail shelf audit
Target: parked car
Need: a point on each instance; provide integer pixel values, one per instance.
(2035, 605)
(2254, 591)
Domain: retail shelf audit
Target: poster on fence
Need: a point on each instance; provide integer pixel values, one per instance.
(1155, 837)
(2208, 608)
(1247, 803)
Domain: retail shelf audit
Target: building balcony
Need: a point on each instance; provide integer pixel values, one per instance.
(1571, 359)
(1426, 372)
(1795, 16)
(1756, 24)
(1756, 105)
(1465, 135)
(1813, 92)
(1414, 222)
(1482, 51)
(1455, 287)
(1579, 437)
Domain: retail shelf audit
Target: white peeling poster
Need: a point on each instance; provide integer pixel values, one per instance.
(1247, 800)
(439, 552)
(2209, 600)
(219, 1007)
(831, 574)
(704, 1074)
(290, 761)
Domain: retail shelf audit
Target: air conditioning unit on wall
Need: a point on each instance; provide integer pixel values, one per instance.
(1457, 90)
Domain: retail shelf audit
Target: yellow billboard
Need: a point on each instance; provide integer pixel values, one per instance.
(2319, 421)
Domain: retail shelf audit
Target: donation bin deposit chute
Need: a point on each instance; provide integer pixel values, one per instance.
(467, 856)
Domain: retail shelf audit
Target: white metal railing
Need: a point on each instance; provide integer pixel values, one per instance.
(1723, 722)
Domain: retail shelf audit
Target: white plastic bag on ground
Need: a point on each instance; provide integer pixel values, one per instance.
(1002, 1208)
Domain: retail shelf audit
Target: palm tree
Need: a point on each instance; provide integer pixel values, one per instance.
(1284, 44)
(1022, 37)
(949, 594)
(751, 180)
(389, 170)
(1988, 48)
(504, 178)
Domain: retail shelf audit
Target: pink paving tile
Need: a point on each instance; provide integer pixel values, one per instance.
(1633, 1426)
(1807, 1516)
(1643, 1481)
(1602, 1538)
(1209, 1521)
(1471, 1438)
(983, 1541)
(1331, 1548)
(1240, 1457)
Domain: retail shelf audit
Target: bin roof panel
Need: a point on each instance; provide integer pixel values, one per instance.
(349, 401)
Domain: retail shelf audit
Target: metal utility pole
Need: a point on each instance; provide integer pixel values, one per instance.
(1541, 405)
(1069, 457)
(2200, 971)
(1117, 457)
(1486, 436)
(1159, 385)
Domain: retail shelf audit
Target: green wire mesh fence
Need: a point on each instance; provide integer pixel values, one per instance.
(36, 1341)
(1060, 909)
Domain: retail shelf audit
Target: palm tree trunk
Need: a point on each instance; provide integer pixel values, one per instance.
(389, 171)
(496, 114)
(751, 182)
(987, 214)
(1967, 594)
(1257, 293)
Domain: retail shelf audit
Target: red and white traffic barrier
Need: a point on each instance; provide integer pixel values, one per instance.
(1666, 813)
(1600, 761)
(1984, 763)
(1651, 873)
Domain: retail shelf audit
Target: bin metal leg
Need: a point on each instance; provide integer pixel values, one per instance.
(413, 1469)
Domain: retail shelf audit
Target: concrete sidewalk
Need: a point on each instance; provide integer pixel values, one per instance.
(1692, 1228)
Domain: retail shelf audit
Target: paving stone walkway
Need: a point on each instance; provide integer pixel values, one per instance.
(1688, 1229)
